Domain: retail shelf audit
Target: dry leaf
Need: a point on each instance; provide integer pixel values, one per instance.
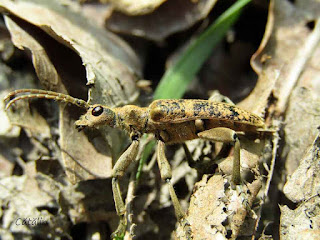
(305, 181)
(300, 132)
(138, 7)
(89, 201)
(216, 212)
(171, 17)
(303, 187)
(207, 209)
(283, 55)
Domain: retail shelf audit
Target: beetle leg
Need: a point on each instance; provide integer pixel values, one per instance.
(202, 166)
(226, 135)
(117, 172)
(191, 161)
(166, 175)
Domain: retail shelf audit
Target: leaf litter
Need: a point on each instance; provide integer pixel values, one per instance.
(287, 88)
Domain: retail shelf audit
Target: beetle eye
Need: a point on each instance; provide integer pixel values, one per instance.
(97, 111)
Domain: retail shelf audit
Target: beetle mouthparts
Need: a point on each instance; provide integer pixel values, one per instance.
(80, 127)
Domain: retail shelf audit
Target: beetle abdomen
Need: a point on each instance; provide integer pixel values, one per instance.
(183, 110)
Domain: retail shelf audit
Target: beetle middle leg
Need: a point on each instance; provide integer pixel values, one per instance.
(166, 175)
(226, 135)
(117, 172)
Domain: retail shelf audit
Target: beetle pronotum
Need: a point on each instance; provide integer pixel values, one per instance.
(170, 121)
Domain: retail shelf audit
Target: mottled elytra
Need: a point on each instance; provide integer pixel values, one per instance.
(170, 121)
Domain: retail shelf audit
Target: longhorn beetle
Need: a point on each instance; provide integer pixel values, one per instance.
(170, 121)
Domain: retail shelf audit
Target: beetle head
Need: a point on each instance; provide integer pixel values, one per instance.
(96, 115)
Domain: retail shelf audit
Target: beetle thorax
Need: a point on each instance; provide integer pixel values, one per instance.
(132, 118)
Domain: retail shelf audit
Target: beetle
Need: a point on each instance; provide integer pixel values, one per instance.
(170, 121)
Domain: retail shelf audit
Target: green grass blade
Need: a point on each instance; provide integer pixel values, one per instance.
(145, 155)
(177, 78)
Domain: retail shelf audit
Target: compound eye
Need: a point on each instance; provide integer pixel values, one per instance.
(97, 111)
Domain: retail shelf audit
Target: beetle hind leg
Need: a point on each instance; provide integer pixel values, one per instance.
(226, 135)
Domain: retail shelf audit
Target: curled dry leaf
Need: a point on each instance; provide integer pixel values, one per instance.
(171, 17)
(61, 42)
(138, 7)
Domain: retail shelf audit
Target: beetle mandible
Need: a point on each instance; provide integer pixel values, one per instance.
(170, 121)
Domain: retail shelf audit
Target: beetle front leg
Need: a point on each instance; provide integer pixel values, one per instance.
(166, 175)
(226, 135)
(117, 172)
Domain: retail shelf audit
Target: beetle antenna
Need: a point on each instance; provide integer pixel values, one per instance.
(20, 94)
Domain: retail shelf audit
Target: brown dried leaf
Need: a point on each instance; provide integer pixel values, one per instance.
(89, 201)
(137, 7)
(45, 69)
(250, 154)
(294, 72)
(305, 181)
(303, 187)
(206, 212)
(172, 16)
(83, 159)
(300, 132)
(105, 57)
(217, 212)
(6, 165)
(300, 223)
(97, 12)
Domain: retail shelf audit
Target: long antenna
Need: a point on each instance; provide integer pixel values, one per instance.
(20, 94)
